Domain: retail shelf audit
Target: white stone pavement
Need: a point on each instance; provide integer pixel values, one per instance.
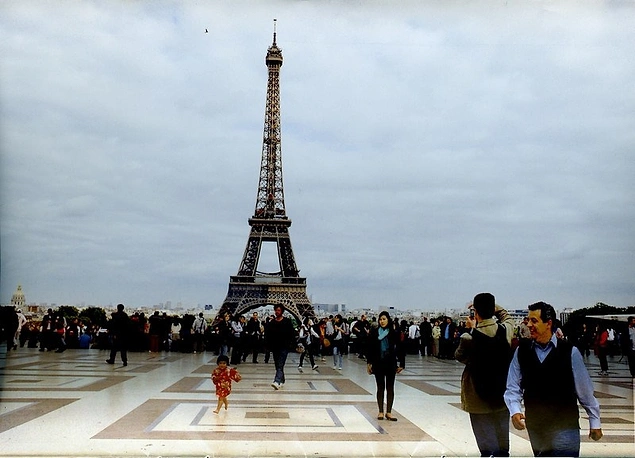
(74, 404)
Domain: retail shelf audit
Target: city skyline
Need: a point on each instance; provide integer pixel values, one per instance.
(431, 151)
(320, 308)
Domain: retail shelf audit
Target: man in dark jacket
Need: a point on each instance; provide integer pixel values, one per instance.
(361, 328)
(119, 329)
(47, 333)
(425, 329)
(446, 346)
(485, 349)
(280, 337)
(252, 330)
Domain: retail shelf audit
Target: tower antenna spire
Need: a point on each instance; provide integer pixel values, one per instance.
(274, 31)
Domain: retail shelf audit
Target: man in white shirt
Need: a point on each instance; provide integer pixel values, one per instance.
(198, 331)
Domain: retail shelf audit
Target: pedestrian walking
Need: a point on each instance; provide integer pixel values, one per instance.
(280, 338)
(549, 376)
(485, 349)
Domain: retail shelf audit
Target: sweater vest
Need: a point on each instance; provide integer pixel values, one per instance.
(549, 389)
(488, 366)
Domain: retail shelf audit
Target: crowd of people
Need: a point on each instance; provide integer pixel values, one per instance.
(441, 338)
(242, 338)
(53, 332)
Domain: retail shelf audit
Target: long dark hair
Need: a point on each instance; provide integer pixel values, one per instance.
(387, 315)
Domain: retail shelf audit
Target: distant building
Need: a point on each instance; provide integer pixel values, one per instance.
(565, 314)
(17, 300)
(325, 309)
(518, 315)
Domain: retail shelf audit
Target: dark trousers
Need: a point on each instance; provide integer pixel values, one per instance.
(426, 347)
(154, 343)
(119, 345)
(253, 347)
(308, 351)
(631, 362)
(237, 350)
(279, 359)
(602, 354)
(360, 345)
(385, 380)
(491, 431)
(47, 340)
(445, 349)
(199, 342)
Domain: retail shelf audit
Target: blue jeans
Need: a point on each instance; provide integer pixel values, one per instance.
(563, 442)
(491, 431)
(279, 359)
(337, 353)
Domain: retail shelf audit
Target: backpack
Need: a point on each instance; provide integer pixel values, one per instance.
(489, 364)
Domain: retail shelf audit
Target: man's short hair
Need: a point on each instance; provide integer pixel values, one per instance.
(484, 304)
(278, 306)
(547, 312)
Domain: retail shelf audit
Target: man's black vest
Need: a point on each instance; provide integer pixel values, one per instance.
(549, 389)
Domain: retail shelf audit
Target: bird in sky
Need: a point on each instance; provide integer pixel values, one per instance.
(206, 31)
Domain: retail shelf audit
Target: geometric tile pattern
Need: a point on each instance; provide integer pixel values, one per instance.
(173, 419)
(162, 404)
(15, 412)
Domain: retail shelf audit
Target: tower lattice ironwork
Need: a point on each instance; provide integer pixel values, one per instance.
(251, 288)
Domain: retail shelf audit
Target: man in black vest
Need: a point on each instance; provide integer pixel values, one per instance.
(550, 376)
(485, 349)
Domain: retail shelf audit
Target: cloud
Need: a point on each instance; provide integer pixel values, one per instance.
(430, 151)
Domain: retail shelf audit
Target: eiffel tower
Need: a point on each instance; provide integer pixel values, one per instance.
(250, 288)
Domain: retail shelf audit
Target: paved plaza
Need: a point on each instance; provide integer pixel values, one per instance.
(74, 404)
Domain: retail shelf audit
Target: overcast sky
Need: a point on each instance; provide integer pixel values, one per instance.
(432, 150)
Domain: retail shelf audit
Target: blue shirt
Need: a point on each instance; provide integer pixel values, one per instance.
(583, 383)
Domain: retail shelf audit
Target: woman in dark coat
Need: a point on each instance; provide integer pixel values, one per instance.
(384, 361)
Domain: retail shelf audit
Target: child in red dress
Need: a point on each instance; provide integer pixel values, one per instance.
(222, 377)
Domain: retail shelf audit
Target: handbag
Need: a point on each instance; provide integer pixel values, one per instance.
(327, 342)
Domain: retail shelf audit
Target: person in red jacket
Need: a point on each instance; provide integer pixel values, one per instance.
(222, 377)
(602, 349)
